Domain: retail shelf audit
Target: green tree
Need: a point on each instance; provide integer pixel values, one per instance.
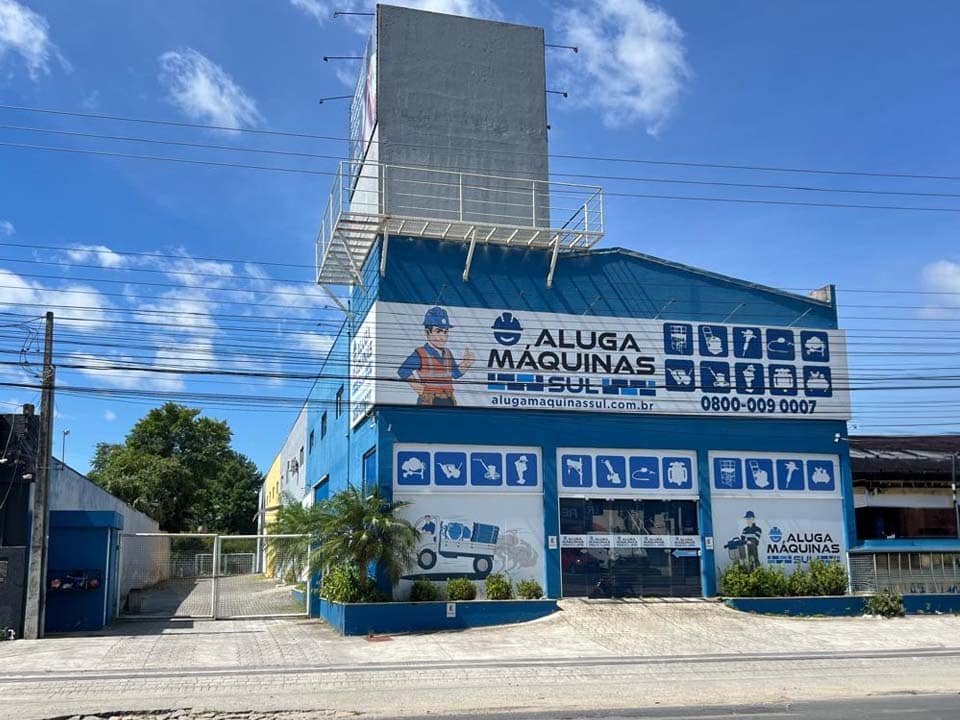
(179, 469)
(349, 529)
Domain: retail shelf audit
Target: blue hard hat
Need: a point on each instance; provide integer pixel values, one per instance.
(748, 515)
(506, 321)
(437, 317)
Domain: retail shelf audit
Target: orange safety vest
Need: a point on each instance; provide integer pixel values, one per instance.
(436, 375)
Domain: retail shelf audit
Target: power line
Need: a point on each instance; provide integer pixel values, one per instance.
(312, 267)
(585, 176)
(594, 158)
(646, 196)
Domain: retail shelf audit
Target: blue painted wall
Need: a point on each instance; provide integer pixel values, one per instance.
(610, 283)
(339, 453)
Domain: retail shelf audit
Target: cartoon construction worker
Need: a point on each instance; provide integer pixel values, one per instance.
(750, 535)
(431, 368)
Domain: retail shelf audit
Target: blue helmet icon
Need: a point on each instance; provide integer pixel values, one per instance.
(437, 317)
(507, 329)
(776, 534)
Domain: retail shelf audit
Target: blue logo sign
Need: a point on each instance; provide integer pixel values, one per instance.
(644, 472)
(507, 329)
(780, 345)
(715, 377)
(821, 476)
(727, 473)
(790, 475)
(677, 473)
(817, 381)
(413, 468)
(759, 474)
(747, 343)
(749, 378)
(776, 534)
(576, 471)
(611, 471)
(713, 340)
(677, 339)
(522, 469)
(783, 380)
(450, 468)
(679, 375)
(486, 468)
(815, 346)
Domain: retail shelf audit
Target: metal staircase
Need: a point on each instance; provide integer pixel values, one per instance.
(370, 200)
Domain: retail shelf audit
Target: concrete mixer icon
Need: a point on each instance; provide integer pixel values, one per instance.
(451, 539)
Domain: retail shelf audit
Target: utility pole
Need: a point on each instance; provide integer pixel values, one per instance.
(37, 572)
(953, 486)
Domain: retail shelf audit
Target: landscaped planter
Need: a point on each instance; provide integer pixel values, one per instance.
(833, 605)
(299, 596)
(396, 617)
(839, 605)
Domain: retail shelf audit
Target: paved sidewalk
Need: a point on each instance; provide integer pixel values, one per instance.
(592, 654)
(581, 629)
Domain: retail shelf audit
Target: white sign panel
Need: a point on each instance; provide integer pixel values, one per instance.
(620, 542)
(500, 358)
(362, 358)
(421, 468)
(611, 473)
(761, 474)
(777, 532)
(472, 535)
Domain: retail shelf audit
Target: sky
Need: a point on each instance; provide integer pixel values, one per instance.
(164, 265)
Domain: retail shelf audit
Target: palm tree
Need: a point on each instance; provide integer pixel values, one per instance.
(350, 528)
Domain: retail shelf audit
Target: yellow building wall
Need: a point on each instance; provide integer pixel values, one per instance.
(271, 503)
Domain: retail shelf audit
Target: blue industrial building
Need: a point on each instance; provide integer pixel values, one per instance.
(604, 422)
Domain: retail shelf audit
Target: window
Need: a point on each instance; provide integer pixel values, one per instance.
(321, 491)
(323, 426)
(369, 470)
(340, 401)
(310, 443)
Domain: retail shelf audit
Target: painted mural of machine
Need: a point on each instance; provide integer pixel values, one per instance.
(454, 539)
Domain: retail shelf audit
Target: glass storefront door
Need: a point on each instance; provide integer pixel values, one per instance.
(629, 547)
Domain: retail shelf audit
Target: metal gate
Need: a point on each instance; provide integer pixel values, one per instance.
(202, 575)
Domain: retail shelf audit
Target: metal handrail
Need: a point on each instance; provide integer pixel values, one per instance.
(378, 195)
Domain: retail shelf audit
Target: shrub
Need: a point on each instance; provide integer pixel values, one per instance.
(461, 589)
(800, 583)
(529, 590)
(828, 578)
(736, 581)
(343, 583)
(423, 591)
(886, 603)
(498, 587)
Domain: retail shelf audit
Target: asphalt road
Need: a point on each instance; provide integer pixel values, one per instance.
(913, 707)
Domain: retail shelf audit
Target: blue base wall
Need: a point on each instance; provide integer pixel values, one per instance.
(363, 619)
(842, 605)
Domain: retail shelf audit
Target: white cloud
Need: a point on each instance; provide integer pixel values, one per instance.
(318, 10)
(943, 277)
(632, 62)
(98, 254)
(7, 229)
(205, 91)
(109, 415)
(24, 32)
(317, 343)
(322, 10)
(108, 371)
(78, 306)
